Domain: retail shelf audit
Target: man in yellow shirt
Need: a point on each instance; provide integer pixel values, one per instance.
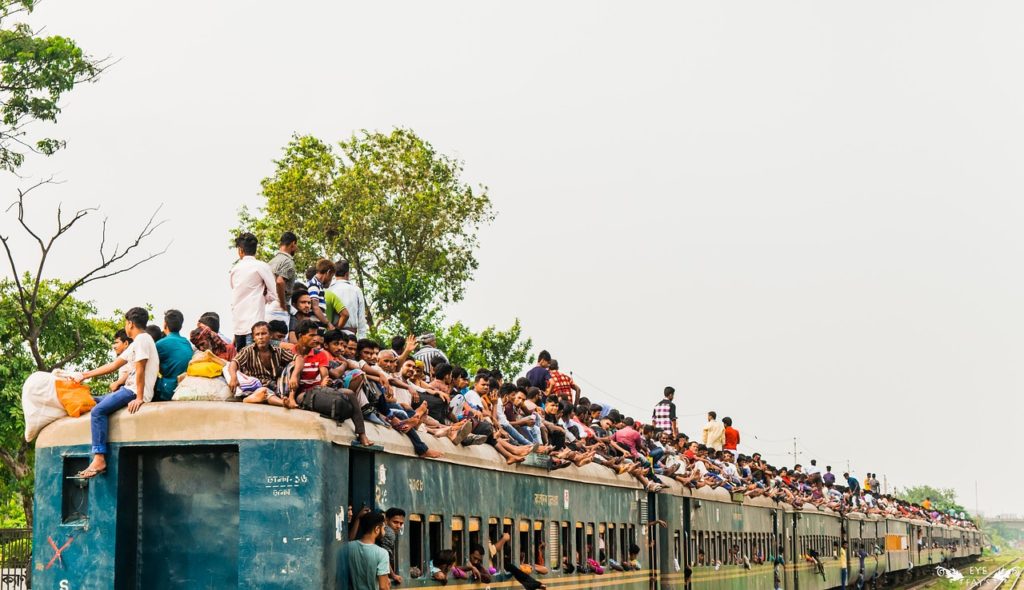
(844, 573)
(927, 504)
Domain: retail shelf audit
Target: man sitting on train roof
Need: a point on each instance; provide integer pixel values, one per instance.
(143, 361)
(256, 369)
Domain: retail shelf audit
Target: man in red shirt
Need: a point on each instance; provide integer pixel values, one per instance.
(732, 437)
(561, 385)
(311, 363)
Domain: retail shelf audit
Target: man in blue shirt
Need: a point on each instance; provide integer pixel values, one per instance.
(539, 375)
(175, 352)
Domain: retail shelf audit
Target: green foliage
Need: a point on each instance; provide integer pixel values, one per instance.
(943, 499)
(35, 72)
(393, 206)
(492, 348)
(74, 332)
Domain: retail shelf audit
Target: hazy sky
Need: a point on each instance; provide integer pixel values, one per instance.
(806, 216)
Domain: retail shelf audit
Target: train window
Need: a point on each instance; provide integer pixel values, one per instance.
(677, 551)
(624, 535)
(591, 545)
(566, 544)
(457, 539)
(435, 534)
(699, 556)
(692, 549)
(632, 535)
(539, 544)
(525, 555)
(493, 534)
(474, 533)
(75, 495)
(580, 555)
(554, 551)
(602, 543)
(416, 542)
(506, 528)
(611, 541)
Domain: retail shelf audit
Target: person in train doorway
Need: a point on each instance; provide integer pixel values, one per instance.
(362, 564)
(143, 362)
(861, 556)
(714, 432)
(844, 572)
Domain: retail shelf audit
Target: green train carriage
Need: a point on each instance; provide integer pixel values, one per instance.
(212, 495)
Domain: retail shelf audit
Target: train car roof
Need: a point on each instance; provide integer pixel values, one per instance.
(225, 422)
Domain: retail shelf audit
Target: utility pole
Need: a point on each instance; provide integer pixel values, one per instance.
(794, 452)
(848, 466)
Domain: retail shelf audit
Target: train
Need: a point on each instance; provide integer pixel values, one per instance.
(221, 495)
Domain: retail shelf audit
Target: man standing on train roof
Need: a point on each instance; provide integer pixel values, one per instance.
(252, 288)
(283, 267)
(429, 353)
(316, 287)
(731, 436)
(362, 564)
(175, 353)
(143, 361)
(813, 468)
(353, 299)
(538, 376)
(664, 416)
(828, 477)
(714, 432)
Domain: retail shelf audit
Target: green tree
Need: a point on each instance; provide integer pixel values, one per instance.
(505, 350)
(35, 71)
(943, 499)
(393, 206)
(75, 336)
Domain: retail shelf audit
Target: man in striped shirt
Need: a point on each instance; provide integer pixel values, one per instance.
(324, 275)
(428, 353)
(665, 413)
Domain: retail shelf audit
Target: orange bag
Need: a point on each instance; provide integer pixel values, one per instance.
(75, 397)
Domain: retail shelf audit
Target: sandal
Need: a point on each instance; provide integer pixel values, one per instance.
(90, 473)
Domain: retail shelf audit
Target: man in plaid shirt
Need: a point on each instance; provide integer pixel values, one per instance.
(665, 413)
(561, 385)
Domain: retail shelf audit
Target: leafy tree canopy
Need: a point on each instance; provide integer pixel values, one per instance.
(35, 71)
(505, 350)
(393, 206)
(943, 499)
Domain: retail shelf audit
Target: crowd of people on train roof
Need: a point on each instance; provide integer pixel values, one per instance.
(298, 338)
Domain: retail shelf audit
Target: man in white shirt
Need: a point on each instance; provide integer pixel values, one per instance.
(252, 287)
(813, 468)
(714, 432)
(143, 363)
(353, 299)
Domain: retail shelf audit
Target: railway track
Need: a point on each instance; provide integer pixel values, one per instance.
(999, 582)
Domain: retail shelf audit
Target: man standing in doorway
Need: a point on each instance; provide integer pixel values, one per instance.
(664, 416)
(362, 565)
(252, 287)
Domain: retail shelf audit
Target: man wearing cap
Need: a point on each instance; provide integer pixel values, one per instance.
(428, 352)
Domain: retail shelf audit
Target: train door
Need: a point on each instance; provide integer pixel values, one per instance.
(648, 514)
(362, 478)
(687, 558)
(794, 552)
(175, 507)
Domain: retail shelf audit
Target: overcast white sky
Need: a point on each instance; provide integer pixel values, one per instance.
(803, 215)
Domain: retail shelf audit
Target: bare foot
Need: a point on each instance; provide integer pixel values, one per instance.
(432, 454)
(515, 459)
(258, 397)
(365, 440)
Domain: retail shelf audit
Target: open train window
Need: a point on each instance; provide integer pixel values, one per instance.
(493, 534)
(506, 528)
(416, 542)
(632, 535)
(591, 546)
(611, 541)
(581, 548)
(624, 547)
(566, 544)
(74, 492)
(602, 543)
(524, 542)
(457, 539)
(538, 557)
(435, 533)
(692, 548)
(474, 534)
